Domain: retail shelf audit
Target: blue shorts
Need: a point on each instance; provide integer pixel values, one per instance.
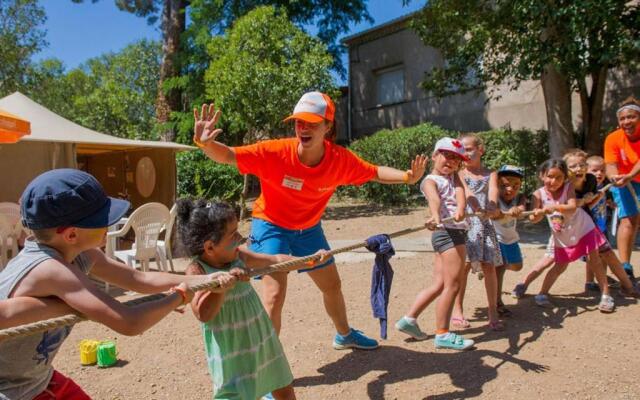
(625, 202)
(511, 253)
(269, 238)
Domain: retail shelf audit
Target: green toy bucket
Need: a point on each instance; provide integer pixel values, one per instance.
(106, 354)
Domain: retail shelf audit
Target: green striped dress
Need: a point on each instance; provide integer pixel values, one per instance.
(244, 354)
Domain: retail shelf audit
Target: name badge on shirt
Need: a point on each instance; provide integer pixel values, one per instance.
(292, 183)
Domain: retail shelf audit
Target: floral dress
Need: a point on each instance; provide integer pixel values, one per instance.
(482, 242)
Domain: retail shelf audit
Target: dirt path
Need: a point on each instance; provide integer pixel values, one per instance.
(571, 351)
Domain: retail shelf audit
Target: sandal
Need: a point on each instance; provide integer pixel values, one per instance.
(496, 326)
(460, 322)
(503, 311)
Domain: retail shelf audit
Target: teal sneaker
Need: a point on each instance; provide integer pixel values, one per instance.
(413, 330)
(453, 341)
(354, 340)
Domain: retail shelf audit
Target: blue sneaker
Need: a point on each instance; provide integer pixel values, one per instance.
(591, 287)
(628, 268)
(267, 396)
(519, 291)
(413, 330)
(354, 340)
(453, 341)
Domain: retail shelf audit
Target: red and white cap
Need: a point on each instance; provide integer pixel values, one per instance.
(313, 107)
(451, 145)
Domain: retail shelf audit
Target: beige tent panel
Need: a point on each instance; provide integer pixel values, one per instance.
(21, 162)
(56, 142)
(47, 126)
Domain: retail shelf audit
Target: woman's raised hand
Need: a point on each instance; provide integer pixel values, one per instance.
(204, 127)
(418, 167)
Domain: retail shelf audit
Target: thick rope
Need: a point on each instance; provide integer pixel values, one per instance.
(71, 319)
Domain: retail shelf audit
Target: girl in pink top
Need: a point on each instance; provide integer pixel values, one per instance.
(574, 233)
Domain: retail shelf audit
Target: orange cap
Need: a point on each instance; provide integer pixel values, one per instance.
(313, 107)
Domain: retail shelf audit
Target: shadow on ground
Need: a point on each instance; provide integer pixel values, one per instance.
(468, 371)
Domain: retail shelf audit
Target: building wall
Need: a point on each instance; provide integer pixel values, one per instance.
(522, 108)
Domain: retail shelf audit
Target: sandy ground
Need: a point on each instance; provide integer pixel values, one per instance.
(570, 351)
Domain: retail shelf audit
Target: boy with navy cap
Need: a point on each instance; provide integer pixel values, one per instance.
(69, 212)
(511, 204)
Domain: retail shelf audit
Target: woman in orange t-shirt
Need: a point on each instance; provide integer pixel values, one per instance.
(297, 178)
(622, 161)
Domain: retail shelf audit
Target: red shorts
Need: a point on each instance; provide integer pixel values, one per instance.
(60, 387)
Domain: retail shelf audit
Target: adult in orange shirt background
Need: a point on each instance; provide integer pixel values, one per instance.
(622, 159)
(297, 178)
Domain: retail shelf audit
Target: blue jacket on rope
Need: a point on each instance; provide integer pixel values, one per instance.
(381, 278)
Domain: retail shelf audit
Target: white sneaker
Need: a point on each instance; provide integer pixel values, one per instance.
(607, 305)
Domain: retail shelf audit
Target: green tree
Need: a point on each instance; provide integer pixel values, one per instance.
(258, 71)
(21, 36)
(125, 87)
(567, 44)
(184, 57)
(260, 68)
(112, 93)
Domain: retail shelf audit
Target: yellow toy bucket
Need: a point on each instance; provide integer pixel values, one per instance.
(88, 351)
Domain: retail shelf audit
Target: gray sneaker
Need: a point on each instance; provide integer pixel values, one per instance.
(607, 305)
(410, 329)
(542, 300)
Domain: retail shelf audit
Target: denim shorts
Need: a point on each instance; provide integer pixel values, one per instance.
(447, 238)
(269, 238)
(625, 201)
(511, 253)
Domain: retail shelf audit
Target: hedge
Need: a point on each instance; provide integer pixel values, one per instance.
(396, 148)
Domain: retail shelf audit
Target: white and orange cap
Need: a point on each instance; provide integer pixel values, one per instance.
(451, 145)
(313, 107)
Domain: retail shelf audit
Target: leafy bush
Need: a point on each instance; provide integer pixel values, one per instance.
(523, 148)
(393, 148)
(396, 148)
(199, 176)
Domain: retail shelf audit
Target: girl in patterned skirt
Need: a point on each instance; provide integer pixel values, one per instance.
(483, 251)
(244, 354)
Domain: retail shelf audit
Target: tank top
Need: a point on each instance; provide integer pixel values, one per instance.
(26, 361)
(447, 194)
(506, 226)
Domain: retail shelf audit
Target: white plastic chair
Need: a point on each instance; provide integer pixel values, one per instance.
(165, 245)
(147, 222)
(10, 231)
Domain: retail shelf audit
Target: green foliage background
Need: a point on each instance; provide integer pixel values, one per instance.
(396, 148)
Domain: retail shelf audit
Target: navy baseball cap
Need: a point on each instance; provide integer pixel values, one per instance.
(69, 197)
(511, 170)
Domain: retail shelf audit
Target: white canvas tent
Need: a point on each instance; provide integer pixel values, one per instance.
(142, 171)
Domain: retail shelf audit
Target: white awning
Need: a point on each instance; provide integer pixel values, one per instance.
(47, 126)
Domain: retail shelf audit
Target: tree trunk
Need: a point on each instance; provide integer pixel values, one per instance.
(557, 101)
(591, 104)
(173, 25)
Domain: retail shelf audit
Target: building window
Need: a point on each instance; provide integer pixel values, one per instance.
(390, 85)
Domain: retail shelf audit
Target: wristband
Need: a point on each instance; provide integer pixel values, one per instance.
(199, 143)
(405, 177)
